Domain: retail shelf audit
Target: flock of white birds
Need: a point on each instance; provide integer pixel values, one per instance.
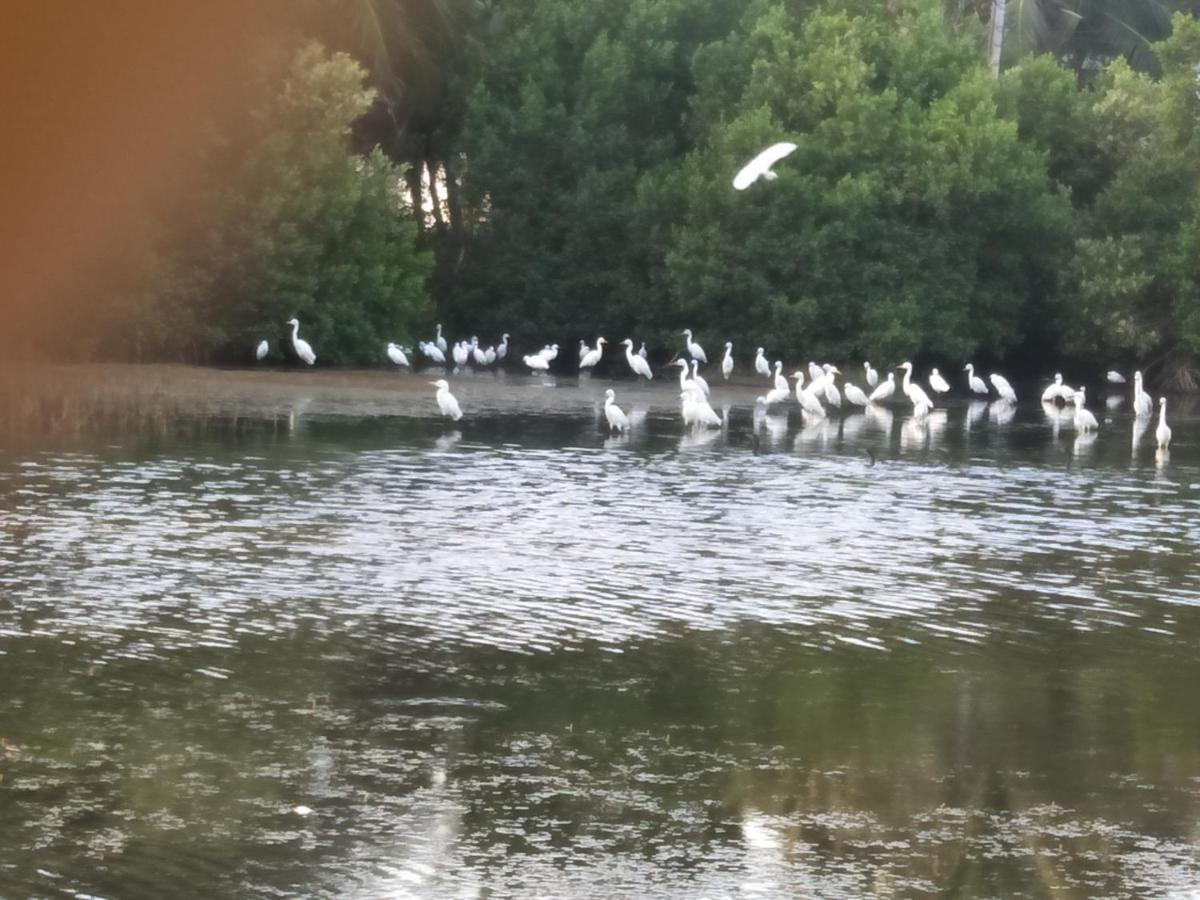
(817, 398)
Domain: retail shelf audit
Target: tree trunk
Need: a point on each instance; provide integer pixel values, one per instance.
(412, 178)
(996, 39)
(433, 194)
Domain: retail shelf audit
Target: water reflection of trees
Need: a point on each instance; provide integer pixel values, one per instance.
(994, 769)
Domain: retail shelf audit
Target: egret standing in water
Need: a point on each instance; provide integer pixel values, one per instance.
(1084, 420)
(914, 391)
(1143, 406)
(854, 394)
(1003, 388)
(937, 382)
(974, 382)
(727, 362)
(502, 349)
(761, 366)
(697, 378)
(637, 363)
(694, 350)
(261, 351)
(537, 363)
(591, 357)
(872, 375)
(396, 355)
(760, 166)
(617, 420)
(885, 390)
(1162, 433)
(301, 346)
(439, 341)
(445, 400)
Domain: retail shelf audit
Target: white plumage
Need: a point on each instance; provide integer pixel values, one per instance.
(854, 394)
(591, 357)
(537, 363)
(446, 401)
(1162, 433)
(937, 382)
(396, 355)
(727, 361)
(872, 375)
(301, 346)
(974, 382)
(617, 420)
(694, 350)
(1084, 420)
(761, 366)
(885, 390)
(1142, 404)
(637, 363)
(760, 166)
(261, 351)
(1003, 388)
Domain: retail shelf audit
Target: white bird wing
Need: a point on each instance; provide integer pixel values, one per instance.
(750, 172)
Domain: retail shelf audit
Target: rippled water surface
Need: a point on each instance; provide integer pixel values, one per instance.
(305, 638)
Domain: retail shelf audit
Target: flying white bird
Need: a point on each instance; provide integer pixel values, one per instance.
(1142, 404)
(1003, 388)
(637, 363)
(1084, 420)
(695, 351)
(536, 363)
(885, 390)
(445, 400)
(396, 355)
(1115, 377)
(761, 366)
(872, 375)
(301, 346)
(937, 382)
(439, 341)
(591, 357)
(260, 352)
(974, 382)
(727, 362)
(760, 166)
(1162, 433)
(617, 420)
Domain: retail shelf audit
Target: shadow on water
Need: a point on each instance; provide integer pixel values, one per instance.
(316, 640)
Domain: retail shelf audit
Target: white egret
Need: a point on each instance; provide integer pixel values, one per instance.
(697, 408)
(591, 357)
(1162, 433)
(432, 351)
(761, 366)
(583, 348)
(814, 371)
(760, 166)
(832, 396)
(549, 353)
(637, 363)
(617, 420)
(502, 349)
(974, 382)
(872, 375)
(807, 400)
(1084, 420)
(1142, 404)
(683, 372)
(301, 346)
(439, 341)
(1115, 377)
(937, 382)
(477, 353)
(396, 355)
(854, 394)
(773, 396)
(461, 353)
(695, 351)
(445, 400)
(781, 383)
(698, 379)
(261, 351)
(1053, 391)
(536, 363)
(914, 391)
(489, 355)
(642, 350)
(1003, 388)
(885, 390)
(727, 362)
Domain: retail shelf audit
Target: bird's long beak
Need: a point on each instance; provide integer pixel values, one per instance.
(434, 383)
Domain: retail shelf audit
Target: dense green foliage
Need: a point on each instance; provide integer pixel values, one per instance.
(569, 166)
(296, 225)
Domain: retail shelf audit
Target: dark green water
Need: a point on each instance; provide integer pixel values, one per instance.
(380, 656)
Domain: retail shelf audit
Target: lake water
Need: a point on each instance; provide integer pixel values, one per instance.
(299, 636)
